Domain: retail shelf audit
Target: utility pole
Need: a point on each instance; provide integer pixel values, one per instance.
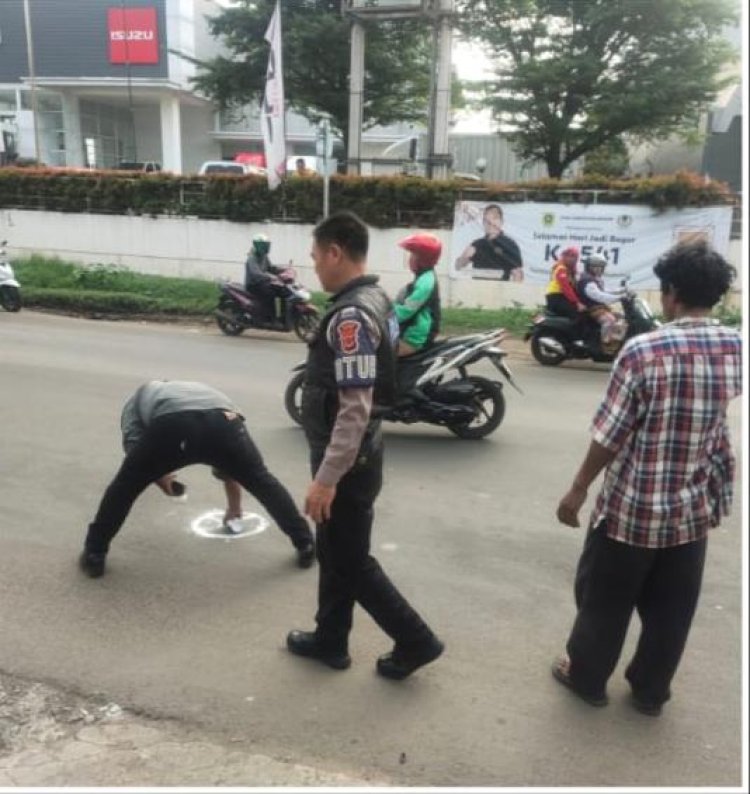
(32, 79)
(356, 92)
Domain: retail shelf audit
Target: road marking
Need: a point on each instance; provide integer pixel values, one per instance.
(211, 525)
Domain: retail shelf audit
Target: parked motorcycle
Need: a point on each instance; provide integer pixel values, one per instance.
(10, 289)
(470, 406)
(239, 309)
(555, 338)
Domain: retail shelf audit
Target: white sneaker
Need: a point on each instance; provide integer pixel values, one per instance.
(234, 526)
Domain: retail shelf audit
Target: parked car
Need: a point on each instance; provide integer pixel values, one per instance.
(230, 167)
(147, 166)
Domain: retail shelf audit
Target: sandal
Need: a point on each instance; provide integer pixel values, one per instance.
(561, 674)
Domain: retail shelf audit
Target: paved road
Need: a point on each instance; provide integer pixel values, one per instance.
(193, 629)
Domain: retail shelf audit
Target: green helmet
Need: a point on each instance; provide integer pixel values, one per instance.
(261, 245)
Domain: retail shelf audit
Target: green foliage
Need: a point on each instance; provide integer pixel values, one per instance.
(570, 75)
(609, 160)
(513, 318)
(387, 201)
(56, 284)
(316, 63)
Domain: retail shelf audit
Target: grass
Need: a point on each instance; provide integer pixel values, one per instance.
(52, 283)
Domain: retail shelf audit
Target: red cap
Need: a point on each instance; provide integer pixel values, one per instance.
(427, 247)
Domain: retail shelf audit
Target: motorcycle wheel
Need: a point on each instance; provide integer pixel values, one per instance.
(229, 327)
(306, 326)
(545, 357)
(10, 297)
(490, 403)
(293, 397)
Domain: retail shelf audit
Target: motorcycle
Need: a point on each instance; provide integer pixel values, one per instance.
(239, 309)
(10, 289)
(555, 338)
(470, 406)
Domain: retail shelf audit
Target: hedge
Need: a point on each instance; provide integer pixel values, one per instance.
(382, 202)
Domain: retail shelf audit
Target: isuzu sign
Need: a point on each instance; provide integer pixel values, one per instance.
(133, 35)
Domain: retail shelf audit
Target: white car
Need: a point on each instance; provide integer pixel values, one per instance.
(230, 167)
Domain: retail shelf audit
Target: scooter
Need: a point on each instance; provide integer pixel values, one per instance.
(239, 309)
(469, 406)
(10, 289)
(555, 338)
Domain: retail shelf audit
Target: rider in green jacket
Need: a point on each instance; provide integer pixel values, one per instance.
(418, 304)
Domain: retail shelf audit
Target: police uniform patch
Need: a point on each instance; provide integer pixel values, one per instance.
(355, 360)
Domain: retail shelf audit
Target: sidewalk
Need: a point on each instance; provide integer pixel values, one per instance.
(51, 738)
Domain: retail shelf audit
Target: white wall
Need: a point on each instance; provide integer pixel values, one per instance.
(206, 249)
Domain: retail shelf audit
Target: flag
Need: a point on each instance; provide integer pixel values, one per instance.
(272, 110)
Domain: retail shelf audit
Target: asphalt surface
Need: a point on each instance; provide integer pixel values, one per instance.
(191, 630)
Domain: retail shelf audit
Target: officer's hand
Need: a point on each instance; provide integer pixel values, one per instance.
(570, 505)
(318, 501)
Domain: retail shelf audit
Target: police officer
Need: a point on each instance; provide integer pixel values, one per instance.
(167, 425)
(350, 366)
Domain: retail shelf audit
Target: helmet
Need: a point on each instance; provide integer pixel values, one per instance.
(595, 260)
(426, 249)
(261, 244)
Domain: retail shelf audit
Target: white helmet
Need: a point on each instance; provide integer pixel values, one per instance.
(595, 260)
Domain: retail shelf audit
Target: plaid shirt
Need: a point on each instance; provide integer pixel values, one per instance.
(664, 417)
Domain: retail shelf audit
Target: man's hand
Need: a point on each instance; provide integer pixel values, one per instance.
(318, 501)
(165, 483)
(570, 505)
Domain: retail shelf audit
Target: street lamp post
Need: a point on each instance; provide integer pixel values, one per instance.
(32, 78)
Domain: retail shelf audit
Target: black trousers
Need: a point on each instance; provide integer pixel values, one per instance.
(349, 574)
(181, 439)
(557, 303)
(612, 580)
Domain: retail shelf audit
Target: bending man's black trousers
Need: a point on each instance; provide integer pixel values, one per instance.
(182, 439)
(612, 580)
(349, 574)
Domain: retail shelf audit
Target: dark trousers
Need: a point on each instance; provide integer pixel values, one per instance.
(181, 439)
(349, 574)
(612, 580)
(557, 303)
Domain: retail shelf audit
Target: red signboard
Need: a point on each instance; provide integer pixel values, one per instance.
(133, 35)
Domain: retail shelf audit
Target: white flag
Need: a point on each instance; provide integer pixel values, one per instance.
(272, 110)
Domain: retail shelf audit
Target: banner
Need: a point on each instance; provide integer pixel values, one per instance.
(133, 35)
(489, 239)
(272, 109)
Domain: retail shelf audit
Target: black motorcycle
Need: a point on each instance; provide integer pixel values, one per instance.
(469, 406)
(239, 309)
(555, 338)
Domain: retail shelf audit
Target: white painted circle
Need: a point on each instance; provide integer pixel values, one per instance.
(211, 525)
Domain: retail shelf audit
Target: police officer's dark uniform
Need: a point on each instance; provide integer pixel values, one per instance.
(361, 325)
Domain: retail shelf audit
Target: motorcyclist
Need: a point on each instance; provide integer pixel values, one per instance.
(259, 275)
(596, 298)
(560, 295)
(418, 304)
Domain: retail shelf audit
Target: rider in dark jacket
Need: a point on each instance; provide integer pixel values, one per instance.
(259, 273)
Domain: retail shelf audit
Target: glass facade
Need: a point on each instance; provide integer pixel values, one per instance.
(108, 135)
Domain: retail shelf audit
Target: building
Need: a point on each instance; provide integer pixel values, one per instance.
(110, 81)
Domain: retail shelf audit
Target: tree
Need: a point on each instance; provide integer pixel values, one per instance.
(316, 52)
(573, 75)
(611, 159)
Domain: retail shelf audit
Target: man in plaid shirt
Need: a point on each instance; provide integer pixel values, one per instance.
(661, 435)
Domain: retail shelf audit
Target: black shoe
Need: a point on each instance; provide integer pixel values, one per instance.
(305, 643)
(92, 563)
(306, 554)
(649, 708)
(398, 664)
